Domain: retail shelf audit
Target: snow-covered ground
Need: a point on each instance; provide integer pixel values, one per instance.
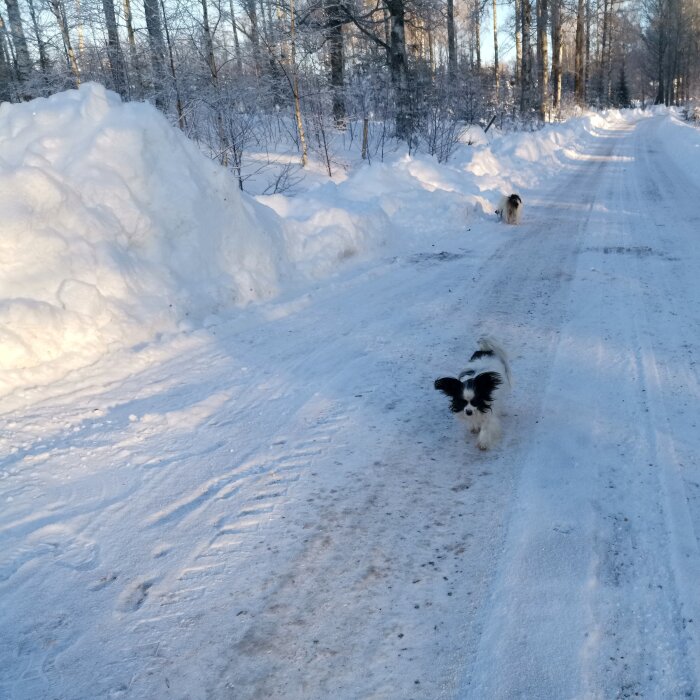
(224, 472)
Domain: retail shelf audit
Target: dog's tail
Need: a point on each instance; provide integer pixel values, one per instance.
(488, 343)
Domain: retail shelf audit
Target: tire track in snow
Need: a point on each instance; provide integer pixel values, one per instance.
(232, 548)
(480, 489)
(544, 615)
(640, 646)
(531, 296)
(664, 331)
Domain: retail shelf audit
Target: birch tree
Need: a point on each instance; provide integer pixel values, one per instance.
(526, 65)
(542, 59)
(556, 28)
(59, 12)
(495, 47)
(579, 74)
(154, 27)
(19, 41)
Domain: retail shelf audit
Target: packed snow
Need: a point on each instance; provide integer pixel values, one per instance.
(224, 472)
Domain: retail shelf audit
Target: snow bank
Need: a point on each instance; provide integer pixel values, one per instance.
(115, 229)
(413, 199)
(325, 228)
(682, 142)
(524, 161)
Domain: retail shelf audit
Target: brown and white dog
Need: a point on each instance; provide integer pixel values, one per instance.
(510, 209)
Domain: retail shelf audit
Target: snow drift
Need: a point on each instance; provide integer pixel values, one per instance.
(115, 229)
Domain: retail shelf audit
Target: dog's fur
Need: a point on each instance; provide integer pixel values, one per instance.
(510, 209)
(478, 393)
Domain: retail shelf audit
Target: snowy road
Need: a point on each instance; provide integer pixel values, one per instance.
(280, 506)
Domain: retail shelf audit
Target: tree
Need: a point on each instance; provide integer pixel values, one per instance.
(156, 44)
(6, 77)
(542, 59)
(556, 28)
(114, 50)
(335, 20)
(518, 42)
(23, 62)
(622, 93)
(579, 71)
(495, 47)
(451, 39)
(526, 66)
(59, 12)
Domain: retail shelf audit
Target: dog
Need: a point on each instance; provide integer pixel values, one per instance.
(479, 391)
(510, 209)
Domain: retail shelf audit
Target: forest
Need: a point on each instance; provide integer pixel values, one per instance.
(242, 75)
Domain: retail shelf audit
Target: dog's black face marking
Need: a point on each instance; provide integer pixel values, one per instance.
(479, 354)
(455, 390)
(514, 200)
(483, 386)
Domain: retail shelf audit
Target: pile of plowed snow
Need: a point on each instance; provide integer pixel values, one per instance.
(115, 229)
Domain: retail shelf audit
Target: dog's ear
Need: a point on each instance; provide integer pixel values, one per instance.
(455, 390)
(484, 385)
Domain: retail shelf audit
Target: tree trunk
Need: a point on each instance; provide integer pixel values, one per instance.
(334, 20)
(7, 77)
(542, 58)
(19, 41)
(236, 41)
(495, 50)
(431, 53)
(608, 59)
(81, 32)
(365, 138)
(601, 79)
(451, 43)
(660, 61)
(209, 46)
(579, 81)
(114, 49)
(587, 49)
(41, 46)
(131, 38)
(556, 55)
(59, 13)
(526, 77)
(398, 66)
(224, 143)
(157, 49)
(518, 44)
(178, 100)
(295, 85)
(477, 33)
(252, 12)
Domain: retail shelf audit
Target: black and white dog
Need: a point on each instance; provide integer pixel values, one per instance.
(510, 209)
(478, 392)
